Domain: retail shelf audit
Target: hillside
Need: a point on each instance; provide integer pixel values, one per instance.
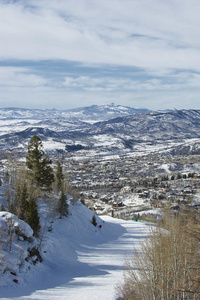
(155, 125)
(78, 258)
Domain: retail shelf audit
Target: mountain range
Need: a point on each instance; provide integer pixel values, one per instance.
(103, 129)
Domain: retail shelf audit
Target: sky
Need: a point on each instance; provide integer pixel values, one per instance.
(64, 54)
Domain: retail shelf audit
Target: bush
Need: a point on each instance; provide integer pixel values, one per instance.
(94, 221)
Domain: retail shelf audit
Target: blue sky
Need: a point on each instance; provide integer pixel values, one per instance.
(64, 54)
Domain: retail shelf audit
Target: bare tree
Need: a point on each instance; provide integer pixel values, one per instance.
(11, 231)
(167, 266)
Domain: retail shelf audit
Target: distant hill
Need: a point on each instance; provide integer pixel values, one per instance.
(102, 129)
(151, 126)
(93, 113)
(104, 112)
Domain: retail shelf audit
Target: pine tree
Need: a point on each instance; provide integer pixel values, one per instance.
(59, 176)
(33, 218)
(18, 195)
(39, 164)
(34, 157)
(62, 205)
(26, 207)
(46, 173)
(179, 176)
(94, 221)
(24, 203)
(12, 208)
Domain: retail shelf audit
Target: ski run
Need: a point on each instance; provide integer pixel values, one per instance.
(80, 261)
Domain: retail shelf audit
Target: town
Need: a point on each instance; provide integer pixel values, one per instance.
(129, 185)
(126, 185)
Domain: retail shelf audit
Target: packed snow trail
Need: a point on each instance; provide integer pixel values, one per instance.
(95, 271)
(108, 257)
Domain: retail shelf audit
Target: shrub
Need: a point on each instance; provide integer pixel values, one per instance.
(94, 221)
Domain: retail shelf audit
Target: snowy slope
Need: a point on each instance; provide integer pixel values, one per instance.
(80, 261)
(16, 240)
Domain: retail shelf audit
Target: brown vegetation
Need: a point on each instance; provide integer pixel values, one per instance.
(168, 265)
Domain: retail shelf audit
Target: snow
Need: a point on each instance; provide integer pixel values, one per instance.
(105, 140)
(165, 167)
(6, 217)
(50, 144)
(80, 261)
(16, 239)
(155, 211)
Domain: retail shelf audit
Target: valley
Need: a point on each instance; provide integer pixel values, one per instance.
(125, 167)
(125, 185)
(127, 171)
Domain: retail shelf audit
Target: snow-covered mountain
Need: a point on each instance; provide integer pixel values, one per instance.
(154, 125)
(104, 112)
(17, 124)
(93, 113)
(122, 129)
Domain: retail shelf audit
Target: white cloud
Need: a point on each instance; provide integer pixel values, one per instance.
(137, 33)
(158, 39)
(21, 77)
(110, 84)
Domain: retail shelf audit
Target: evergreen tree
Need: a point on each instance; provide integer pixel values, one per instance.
(59, 176)
(62, 205)
(34, 157)
(94, 221)
(190, 175)
(179, 176)
(46, 173)
(23, 205)
(39, 164)
(18, 195)
(7, 176)
(33, 218)
(12, 208)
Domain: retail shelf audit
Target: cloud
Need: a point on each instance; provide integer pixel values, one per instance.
(21, 77)
(150, 34)
(94, 51)
(111, 84)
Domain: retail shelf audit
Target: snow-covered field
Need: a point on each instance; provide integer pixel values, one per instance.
(80, 261)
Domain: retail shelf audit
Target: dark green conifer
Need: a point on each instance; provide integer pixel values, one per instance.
(33, 218)
(18, 195)
(24, 203)
(59, 176)
(62, 205)
(94, 221)
(39, 164)
(12, 208)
